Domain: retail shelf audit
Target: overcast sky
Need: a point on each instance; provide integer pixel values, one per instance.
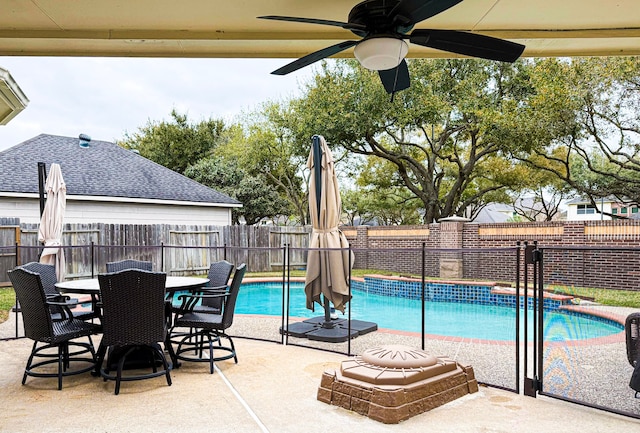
(104, 97)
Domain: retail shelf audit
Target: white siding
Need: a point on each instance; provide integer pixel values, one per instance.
(572, 212)
(28, 210)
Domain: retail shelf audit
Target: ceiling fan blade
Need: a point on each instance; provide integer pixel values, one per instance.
(419, 10)
(468, 44)
(395, 79)
(314, 57)
(347, 26)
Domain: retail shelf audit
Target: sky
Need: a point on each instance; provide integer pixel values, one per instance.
(106, 97)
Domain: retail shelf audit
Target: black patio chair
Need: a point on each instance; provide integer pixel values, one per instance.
(134, 322)
(208, 328)
(129, 264)
(632, 334)
(218, 275)
(49, 280)
(40, 326)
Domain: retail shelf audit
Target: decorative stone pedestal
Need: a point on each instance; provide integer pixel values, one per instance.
(393, 383)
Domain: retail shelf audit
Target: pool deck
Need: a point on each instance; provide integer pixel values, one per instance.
(272, 389)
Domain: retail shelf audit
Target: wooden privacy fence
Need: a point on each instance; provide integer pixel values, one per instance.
(178, 249)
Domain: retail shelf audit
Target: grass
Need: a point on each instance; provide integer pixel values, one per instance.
(7, 301)
(616, 298)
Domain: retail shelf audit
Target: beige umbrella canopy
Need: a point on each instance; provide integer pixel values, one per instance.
(52, 219)
(327, 270)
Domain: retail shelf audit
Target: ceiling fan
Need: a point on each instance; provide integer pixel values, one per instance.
(383, 26)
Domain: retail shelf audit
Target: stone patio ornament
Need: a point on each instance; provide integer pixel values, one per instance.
(393, 383)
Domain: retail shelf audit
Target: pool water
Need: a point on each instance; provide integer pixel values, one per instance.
(442, 318)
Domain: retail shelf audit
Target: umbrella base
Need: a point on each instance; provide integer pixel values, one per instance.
(335, 331)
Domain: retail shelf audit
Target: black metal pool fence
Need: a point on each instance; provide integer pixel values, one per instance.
(593, 372)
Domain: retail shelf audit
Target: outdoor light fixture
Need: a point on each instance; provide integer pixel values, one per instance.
(381, 53)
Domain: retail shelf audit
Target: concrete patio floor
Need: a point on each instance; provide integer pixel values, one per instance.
(272, 389)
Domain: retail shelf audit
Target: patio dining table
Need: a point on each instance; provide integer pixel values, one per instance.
(91, 286)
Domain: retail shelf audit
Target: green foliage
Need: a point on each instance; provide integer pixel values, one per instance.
(264, 148)
(445, 136)
(259, 199)
(178, 143)
(594, 143)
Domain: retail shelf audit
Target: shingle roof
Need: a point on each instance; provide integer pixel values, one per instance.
(102, 169)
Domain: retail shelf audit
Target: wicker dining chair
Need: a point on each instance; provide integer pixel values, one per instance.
(48, 333)
(218, 276)
(134, 320)
(49, 279)
(208, 328)
(129, 264)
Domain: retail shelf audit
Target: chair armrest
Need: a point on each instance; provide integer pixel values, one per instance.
(58, 298)
(63, 303)
(65, 311)
(189, 301)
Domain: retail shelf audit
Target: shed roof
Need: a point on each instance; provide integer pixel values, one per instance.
(103, 169)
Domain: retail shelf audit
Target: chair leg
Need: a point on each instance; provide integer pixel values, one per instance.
(29, 362)
(61, 361)
(120, 368)
(165, 364)
(233, 348)
(211, 360)
(102, 350)
(172, 354)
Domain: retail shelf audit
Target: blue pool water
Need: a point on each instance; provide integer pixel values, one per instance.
(453, 319)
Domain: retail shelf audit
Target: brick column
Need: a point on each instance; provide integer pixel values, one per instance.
(362, 243)
(451, 264)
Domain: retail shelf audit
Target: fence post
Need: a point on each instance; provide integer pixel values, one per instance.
(92, 255)
(349, 306)
(518, 317)
(16, 307)
(162, 256)
(422, 337)
(286, 276)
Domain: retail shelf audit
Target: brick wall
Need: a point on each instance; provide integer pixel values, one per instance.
(576, 253)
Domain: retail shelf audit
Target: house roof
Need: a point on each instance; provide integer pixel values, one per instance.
(102, 169)
(584, 200)
(493, 213)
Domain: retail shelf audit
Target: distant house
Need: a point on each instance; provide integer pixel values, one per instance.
(581, 209)
(494, 213)
(106, 184)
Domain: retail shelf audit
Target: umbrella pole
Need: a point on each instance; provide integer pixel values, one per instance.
(317, 173)
(42, 177)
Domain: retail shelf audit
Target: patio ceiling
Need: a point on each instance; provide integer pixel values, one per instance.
(214, 28)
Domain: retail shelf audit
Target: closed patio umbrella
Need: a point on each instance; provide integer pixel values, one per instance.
(327, 270)
(52, 219)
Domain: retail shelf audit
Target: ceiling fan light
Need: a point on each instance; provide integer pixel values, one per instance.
(380, 54)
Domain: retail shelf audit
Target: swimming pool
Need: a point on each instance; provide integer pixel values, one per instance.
(454, 319)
